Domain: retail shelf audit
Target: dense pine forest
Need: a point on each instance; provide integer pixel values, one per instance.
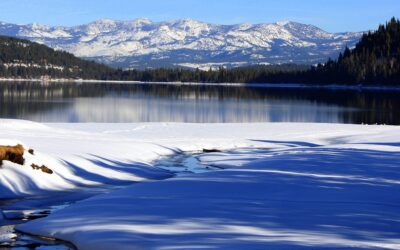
(374, 60)
(222, 75)
(25, 59)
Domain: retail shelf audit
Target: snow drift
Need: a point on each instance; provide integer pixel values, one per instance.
(281, 186)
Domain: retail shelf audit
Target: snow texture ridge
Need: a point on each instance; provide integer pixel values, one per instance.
(281, 185)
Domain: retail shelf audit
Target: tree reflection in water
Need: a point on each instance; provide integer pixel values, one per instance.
(100, 102)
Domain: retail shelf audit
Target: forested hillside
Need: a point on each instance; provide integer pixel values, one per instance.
(375, 59)
(25, 59)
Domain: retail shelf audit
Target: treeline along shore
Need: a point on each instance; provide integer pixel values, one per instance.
(375, 60)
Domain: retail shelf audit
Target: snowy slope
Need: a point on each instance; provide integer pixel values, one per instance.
(141, 42)
(96, 162)
(310, 186)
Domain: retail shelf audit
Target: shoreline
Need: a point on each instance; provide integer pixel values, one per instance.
(253, 85)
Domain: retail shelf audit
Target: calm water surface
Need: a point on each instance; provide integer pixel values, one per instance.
(100, 102)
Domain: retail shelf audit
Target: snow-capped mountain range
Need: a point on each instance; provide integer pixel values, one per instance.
(143, 43)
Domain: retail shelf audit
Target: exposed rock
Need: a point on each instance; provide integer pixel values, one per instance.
(12, 153)
(46, 170)
(211, 150)
(43, 168)
(34, 166)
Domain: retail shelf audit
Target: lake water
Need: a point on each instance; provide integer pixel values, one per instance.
(100, 102)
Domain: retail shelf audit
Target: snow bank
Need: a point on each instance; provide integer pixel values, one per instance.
(311, 185)
(77, 158)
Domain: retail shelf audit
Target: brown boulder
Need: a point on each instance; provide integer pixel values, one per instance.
(12, 153)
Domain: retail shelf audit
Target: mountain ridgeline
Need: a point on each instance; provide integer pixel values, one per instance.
(25, 59)
(374, 60)
(187, 43)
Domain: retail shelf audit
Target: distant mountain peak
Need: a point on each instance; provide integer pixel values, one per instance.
(283, 22)
(38, 26)
(142, 20)
(105, 21)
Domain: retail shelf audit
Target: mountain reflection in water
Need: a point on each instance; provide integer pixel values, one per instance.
(100, 102)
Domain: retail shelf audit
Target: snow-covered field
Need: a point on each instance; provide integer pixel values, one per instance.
(281, 185)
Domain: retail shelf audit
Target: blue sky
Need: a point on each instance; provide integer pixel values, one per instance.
(331, 15)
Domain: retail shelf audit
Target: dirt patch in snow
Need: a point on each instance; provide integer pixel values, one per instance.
(43, 168)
